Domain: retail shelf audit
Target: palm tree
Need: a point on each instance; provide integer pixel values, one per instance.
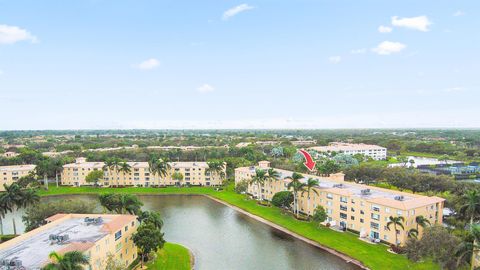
(152, 168)
(469, 247)
(311, 183)
(125, 169)
(29, 197)
(216, 168)
(395, 221)
(3, 211)
(73, 260)
(422, 222)
(297, 186)
(160, 167)
(44, 168)
(259, 179)
(112, 164)
(471, 208)
(413, 233)
(12, 198)
(273, 174)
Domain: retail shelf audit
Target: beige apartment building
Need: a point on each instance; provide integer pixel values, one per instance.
(360, 208)
(10, 174)
(374, 151)
(97, 236)
(194, 173)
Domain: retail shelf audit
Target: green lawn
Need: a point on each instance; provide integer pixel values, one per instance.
(373, 256)
(172, 257)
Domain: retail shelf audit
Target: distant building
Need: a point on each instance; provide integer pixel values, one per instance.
(10, 154)
(361, 208)
(97, 236)
(305, 142)
(194, 173)
(10, 174)
(374, 151)
(243, 144)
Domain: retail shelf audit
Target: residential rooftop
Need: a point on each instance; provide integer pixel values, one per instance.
(17, 168)
(339, 146)
(81, 163)
(33, 248)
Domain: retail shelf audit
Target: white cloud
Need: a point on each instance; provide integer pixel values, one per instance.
(148, 64)
(420, 23)
(384, 29)
(12, 34)
(454, 89)
(458, 13)
(236, 10)
(205, 88)
(389, 47)
(358, 51)
(335, 59)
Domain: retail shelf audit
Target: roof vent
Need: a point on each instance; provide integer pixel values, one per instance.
(14, 263)
(399, 198)
(339, 186)
(93, 221)
(366, 191)
(58, 239)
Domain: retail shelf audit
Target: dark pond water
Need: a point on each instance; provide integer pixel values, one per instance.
(222, 238)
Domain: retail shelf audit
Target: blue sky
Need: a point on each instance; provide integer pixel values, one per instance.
(239, 64)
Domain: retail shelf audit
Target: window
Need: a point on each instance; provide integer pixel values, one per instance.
(343, 216)
(399, 212)
(343, 207)
(361, 212)
(329, 196)
(374, 225)
(118, 247)
(118, 235)
(343, 199)
(352, 217)
(376, 208)
(361, 220)
(387, 210)
(126, 228)
(352, 209)
(375, 216)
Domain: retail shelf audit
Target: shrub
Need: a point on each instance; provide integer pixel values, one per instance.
(319, 215)
(241, 186)
(282, 199)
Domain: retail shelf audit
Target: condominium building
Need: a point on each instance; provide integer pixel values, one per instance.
(360, 208)
(97, 236)
(10, 174)
(194, 173)
(374, 151)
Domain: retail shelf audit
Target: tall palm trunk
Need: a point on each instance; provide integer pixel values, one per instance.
(45, 181)
(396, 236)
(1, 227)
(472, 259)
(14, 226)
(308, 205)
(56, 178)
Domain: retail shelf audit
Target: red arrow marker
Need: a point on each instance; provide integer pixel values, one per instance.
(309, 163)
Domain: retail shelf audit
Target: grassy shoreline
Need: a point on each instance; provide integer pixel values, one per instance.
(372, 256)
(172, 257)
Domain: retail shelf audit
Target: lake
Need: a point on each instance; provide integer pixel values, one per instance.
(222, 238)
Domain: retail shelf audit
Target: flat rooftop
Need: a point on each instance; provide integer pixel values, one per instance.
(33, 247)
(347, 146)
(180, 164)
(376, 195)
(17, 168)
